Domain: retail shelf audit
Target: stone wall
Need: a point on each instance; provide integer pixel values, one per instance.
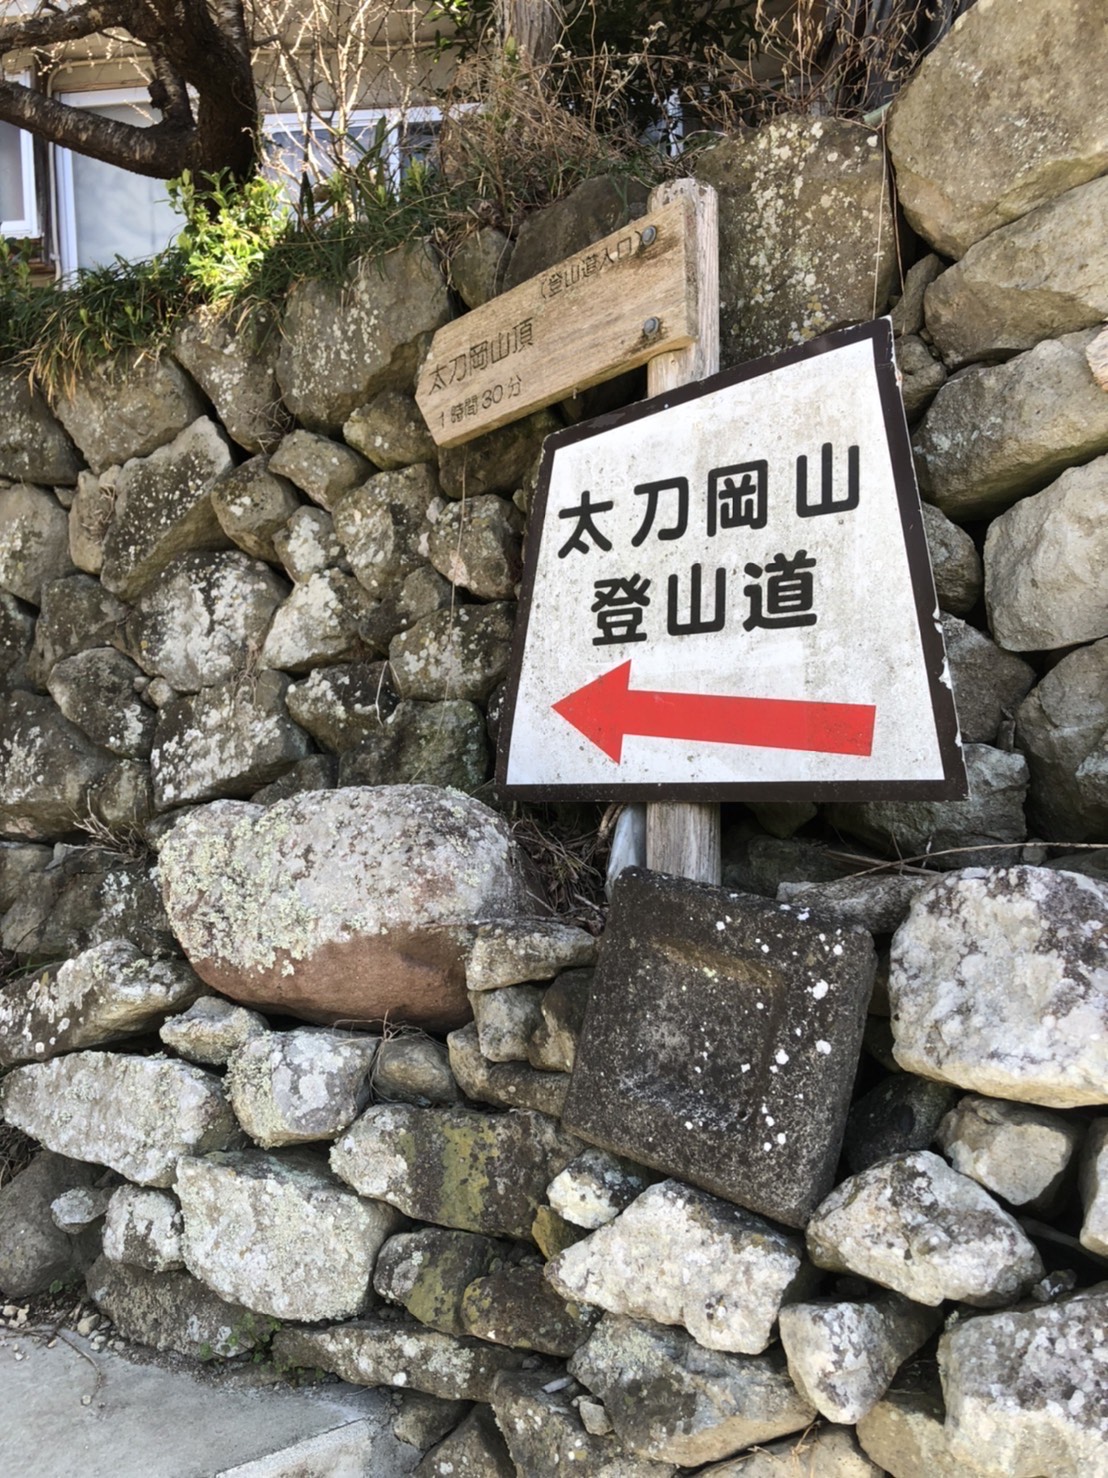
(315, 1068)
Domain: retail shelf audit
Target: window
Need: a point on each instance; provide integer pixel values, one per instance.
(105, 212)
(407, 136)
(18, 209)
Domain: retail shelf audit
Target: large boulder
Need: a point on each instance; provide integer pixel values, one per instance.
(47, 767)
(997, 984)
(199, 622)
(229, 739)
(34, 541)
(1062, 727)
(101, 995)
(1020, 85)
(73, 1105)
(343, 342)
(1039, 277)
(1026, 1391)
(164, 508)
(280, 1234)
(127, 407)
(34, 446)
(1046, 564)
(233, 360)
(807, 241)
(1001, 431)
(341, 905)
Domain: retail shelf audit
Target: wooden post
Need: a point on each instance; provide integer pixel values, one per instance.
(684, 839)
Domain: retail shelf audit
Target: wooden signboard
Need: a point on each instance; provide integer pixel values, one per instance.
(618, 303)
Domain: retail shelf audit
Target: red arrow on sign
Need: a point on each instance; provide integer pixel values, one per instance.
(608, 709)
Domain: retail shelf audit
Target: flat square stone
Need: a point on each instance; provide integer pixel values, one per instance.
(721, 1041)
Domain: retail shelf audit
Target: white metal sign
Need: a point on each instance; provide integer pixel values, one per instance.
(728, 592)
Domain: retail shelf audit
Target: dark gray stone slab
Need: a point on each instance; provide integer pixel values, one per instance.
(721, 1041)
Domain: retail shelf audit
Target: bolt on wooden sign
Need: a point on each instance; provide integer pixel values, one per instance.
(727, 592)
(609, 308)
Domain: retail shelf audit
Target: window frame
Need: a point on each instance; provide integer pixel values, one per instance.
(63, 165)
(395, 118)
(28, 225)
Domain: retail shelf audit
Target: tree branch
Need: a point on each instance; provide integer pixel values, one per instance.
(48, 29)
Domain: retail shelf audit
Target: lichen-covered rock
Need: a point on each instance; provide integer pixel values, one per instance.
(198, 623)
(307, 544)
(993, 812)
(90, 513)
(252, 505)
(341, 905)
(143, 1227)
(545, 1433)
(233, 360)
(343, 705)
(807, 242)
(478, 545)
(593, 209)
(842, 1356)
(922, 375)
(164, 508)
(390, 431)
(86, 896)
(512, 951)
(211, 1030)
(506, 1084)
(505, 1020)
(474, 1449)
(226, 740)
(320, 622)
(81, 1207)
(877, 902)
(989, 684)
(77, 613)
(413, 1069)
(1023, 82)
(21, 867)
(498, 462)
(1094, 1188)
(34, 541)
(34, 1250)
(997, 984)
(47, 767)
(1000, 431)
(905, 1432)
(955, 562)
(515, 1305)
(460, 653)
(127, 407)
(429, 1270)
(280, 1234)
(173, 1311)
(307, 1084)
(420, 593)
(671, 1400)
(34, 446)
(320, 467)
(1039, 277)
(1016, 1151)
(1046, 564)
(553, 1045)
(72, 1105)
(387, 1351)
(1025, 1392)
(384, 524)
(914, 1225)
(17, 633)
(716, 1269)
(455, 1167)
(595, 1187)
(104, 994)
(429, 743)
(98, 690)
(1061, 727)
(341, 343)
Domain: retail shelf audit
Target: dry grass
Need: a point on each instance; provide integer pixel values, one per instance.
(568, 847)
(17, 1151)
